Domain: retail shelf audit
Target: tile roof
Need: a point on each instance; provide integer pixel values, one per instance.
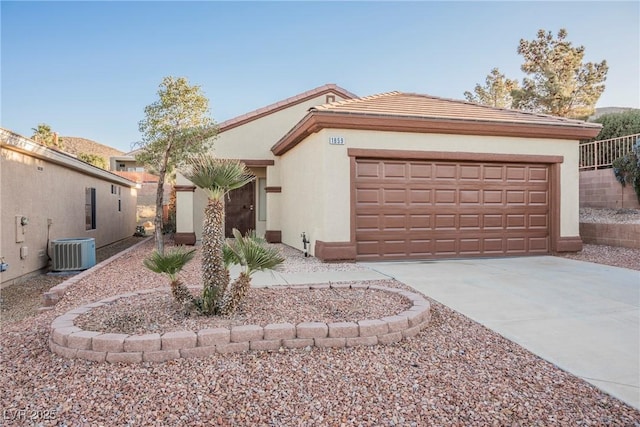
(426, 106)
(410, 112)
(285, 103)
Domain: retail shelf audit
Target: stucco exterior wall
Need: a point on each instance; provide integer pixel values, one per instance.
(249, 141)
(52, 197)
(316, 176)
(253, 140)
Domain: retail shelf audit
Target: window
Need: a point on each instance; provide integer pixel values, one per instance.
(90, 208)
(262, 199)
(113, 189)
(119, 205)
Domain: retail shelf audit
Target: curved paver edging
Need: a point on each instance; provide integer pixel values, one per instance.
(53, 295)
(70, 341)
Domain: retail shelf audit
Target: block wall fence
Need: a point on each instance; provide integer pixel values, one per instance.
(599, 189)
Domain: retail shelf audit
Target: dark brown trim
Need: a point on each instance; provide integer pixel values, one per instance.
(335, 251)
(185, 188)
(555, 200)
(289, 102)
(452, 155)
(317, 120)
(185, 238)
(273, 236)
(253, 163)
(569, 244)
(353, 165)
(273, 189)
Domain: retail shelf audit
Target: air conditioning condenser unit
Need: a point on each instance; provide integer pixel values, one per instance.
(73, 254)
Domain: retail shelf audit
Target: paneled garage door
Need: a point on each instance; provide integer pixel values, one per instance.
(437, 209)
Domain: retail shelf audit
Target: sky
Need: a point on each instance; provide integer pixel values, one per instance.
(88, 69)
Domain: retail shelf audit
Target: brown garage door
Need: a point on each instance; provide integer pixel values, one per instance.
(435, 209)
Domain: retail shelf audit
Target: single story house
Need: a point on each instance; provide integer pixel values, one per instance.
(47, 195)
(400, 176)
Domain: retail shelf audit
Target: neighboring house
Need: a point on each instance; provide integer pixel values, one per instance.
(59, 197)
(405, 176)
(126, 166)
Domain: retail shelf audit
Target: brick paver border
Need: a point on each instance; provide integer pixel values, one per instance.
(69, 341)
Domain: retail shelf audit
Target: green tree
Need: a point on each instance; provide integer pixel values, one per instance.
(216, 177)
(45, 136)
(175, 126)
(559, 83)
(94, 160)
(615, 125)
(496, 92)
(171, 263)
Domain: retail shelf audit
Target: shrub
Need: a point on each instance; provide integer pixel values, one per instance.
(627, 168)
(615, 125)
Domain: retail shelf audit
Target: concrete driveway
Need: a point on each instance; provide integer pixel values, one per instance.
(580, 316)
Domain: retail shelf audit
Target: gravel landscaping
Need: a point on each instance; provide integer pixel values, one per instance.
(25, 298)
(454, 372)
(158, 312)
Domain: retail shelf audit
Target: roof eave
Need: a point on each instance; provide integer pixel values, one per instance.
(281, 105)
(316, 120)
(13, 141)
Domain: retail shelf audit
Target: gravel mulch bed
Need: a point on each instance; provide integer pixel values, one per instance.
(455, 372)
(608, 255)
(25, 298)
(158, 313)
(296, 262)
(610, 216)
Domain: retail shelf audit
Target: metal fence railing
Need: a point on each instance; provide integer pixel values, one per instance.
(600, 154)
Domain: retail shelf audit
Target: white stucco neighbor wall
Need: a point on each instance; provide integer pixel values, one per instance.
(316, 175)
(48, 188)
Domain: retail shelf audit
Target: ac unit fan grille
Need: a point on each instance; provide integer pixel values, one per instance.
(73, 254)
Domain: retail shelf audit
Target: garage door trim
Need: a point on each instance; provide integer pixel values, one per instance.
(556, 243)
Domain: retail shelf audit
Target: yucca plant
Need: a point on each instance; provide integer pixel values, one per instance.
(171, 263)
(216, 177)
(253, 254)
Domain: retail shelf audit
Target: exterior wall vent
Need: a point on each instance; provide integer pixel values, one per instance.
(73, 254)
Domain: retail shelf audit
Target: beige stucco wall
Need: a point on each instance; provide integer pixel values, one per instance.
(250, 141)
(42, 189)
(253, 140)
(316, 176)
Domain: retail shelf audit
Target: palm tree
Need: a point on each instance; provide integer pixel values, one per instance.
(252, 253)
(45, 136)
(170, 264)
(216, 177)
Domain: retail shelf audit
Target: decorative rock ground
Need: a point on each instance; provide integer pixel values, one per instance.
(70, 341)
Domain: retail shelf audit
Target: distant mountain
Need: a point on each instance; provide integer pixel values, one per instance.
(608, 110)
(75, 145)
